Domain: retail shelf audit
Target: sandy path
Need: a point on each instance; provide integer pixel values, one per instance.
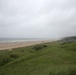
(10, 45)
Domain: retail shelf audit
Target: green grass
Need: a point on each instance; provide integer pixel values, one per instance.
(55, 59)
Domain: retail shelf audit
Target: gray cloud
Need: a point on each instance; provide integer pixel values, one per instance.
(37, 18)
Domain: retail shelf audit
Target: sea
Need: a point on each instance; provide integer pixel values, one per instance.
(21, 39)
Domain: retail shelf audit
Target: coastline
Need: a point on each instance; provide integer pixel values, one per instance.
(11, 45)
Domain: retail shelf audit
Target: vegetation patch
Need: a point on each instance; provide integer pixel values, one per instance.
(4, 60)
(13, 56)
(44, 59)
(62, 72)
(39, 47)
(69, 46)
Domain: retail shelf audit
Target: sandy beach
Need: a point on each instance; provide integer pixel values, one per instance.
(11, 45)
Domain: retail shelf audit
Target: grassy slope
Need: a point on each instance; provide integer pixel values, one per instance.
(56, 59)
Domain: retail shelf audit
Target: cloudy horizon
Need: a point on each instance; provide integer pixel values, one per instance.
(37, 18)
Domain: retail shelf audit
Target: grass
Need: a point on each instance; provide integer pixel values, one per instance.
(50, 59)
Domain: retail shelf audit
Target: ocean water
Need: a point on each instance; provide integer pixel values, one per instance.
(20, 39)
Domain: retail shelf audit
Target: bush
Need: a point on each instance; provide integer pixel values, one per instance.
(22, 50)
(44, 46)
(63, 43)
(4, 60)
(13, 56)
(38, 47)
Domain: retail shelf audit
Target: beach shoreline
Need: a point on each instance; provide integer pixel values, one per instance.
(12, 45)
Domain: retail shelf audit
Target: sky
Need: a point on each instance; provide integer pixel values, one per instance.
(37, 18)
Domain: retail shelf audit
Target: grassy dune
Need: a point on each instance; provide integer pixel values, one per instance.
(46, 59)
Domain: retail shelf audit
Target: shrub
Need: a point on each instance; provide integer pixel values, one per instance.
(22, 50)
(63, 43)
(38, 47)
(44, 45)
(13, 56)
(4, 60)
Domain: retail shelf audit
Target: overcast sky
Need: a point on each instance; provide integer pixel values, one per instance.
(37, 18)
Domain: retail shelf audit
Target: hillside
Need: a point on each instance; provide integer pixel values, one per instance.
(69, 39)
(52, 58)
